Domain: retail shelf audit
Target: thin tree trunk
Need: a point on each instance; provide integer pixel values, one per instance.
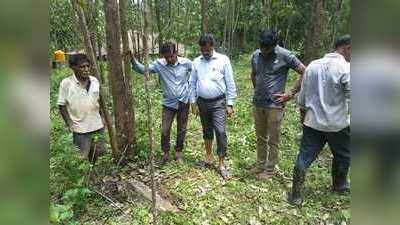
(95, 70)
(233, 25)
(287, 36)
(228, 30)
(118, 86)
(225, 34)
(335, 19)
(204, 16)
(123, 4)
(149, 108)
(138, 45)
(231, 19)
(266, 6)
(187, 12)
(159, 22)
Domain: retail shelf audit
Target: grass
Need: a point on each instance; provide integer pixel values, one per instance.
(201, 194)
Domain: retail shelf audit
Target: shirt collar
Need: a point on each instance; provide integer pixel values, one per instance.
(334, 55)
(163, 62)
(214, 55)
(77, 81)
(275, 50)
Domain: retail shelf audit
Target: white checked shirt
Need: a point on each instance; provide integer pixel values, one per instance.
(325, 93)
(82, 105)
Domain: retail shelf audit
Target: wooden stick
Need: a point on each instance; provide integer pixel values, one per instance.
(148, 108)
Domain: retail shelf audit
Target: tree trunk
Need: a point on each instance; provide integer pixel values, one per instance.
(241, 40)
(265, 10)
(335, 19)
(138, 45)
(124, 129)
(204, 16)
(95, 70)
(123, 4)
(235, 20)
(149, 108)
(225, 34)
(314, 37)
(230, 31)
(159, 22)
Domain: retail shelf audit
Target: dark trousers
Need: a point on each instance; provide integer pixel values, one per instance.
(91, 145)
(313, 141)
(168, 115)
(213, 119)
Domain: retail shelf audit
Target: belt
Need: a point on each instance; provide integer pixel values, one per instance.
(212, 99)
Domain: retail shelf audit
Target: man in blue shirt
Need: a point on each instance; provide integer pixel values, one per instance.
(270, 65)
(174, 72)
(214, 90)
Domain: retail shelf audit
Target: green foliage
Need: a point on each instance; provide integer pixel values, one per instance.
(64, 31)
(181, 21)
(68, 173)
(201, 194)
(59, 213)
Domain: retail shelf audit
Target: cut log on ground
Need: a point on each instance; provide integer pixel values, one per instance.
(162, 203)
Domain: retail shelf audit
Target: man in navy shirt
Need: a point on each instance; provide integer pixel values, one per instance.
(270, 65)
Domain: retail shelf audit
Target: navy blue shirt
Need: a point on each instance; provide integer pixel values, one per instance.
(271, 75)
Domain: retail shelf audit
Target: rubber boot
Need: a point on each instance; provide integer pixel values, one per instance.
(339, 178)
(298, 181)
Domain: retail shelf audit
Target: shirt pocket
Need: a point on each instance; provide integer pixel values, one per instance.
(217, 73)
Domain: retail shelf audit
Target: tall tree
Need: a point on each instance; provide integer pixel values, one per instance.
(123, 5)
(150, 123)
(158, 8)
(266, 5)
(204, 16)
(315, 31)
(123, 123)
(335, 18)
(95, 70)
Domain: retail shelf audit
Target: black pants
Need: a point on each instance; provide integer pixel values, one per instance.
(213, 119)
(313, 141)
(168, 115)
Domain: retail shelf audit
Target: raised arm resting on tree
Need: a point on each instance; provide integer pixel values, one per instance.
(138, 67)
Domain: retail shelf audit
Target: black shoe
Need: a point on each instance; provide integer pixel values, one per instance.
(298, 181)
(339, 178)
(342, 188)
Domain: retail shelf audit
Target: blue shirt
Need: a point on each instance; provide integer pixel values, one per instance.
(213, 78)
(271, 75)
(174, 78)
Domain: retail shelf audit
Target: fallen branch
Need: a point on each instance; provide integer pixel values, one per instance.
(113, 203)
